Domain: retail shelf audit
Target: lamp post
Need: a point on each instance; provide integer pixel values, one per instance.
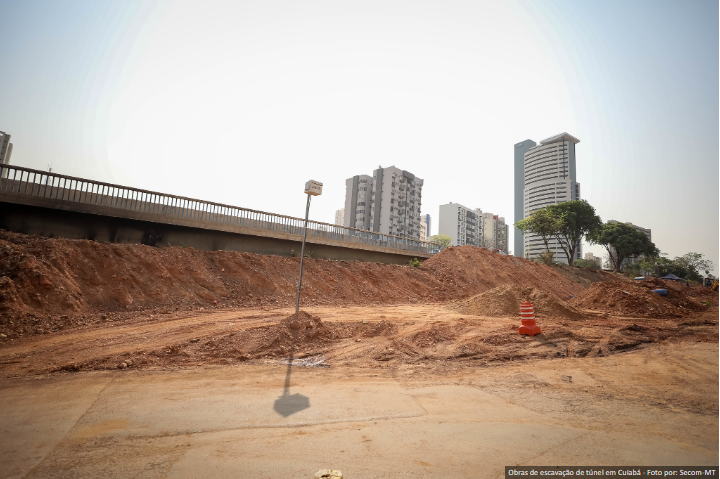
(312, 188)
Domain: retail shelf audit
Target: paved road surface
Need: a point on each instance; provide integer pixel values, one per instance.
(655, 406)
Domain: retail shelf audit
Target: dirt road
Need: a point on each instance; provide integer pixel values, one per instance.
(654, 406)
(373, 337)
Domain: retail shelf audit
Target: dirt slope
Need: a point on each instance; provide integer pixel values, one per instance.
(50, 284)
(637, 299)
(504, 301)
(470, 270)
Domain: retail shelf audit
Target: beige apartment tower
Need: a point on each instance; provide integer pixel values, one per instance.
(548, 179)
(387, 202)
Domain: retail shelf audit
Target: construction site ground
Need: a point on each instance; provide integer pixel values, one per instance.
(129, 361)
(653, 406)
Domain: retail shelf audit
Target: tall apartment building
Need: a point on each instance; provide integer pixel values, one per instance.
(520, 150)
(472, 227)
(387, 202)
(548, 173)
(428, 224)
(495, 232)
(340, 216)
(463, 225)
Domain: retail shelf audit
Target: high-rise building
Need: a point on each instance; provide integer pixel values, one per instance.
(428, 224)
(548, 179)
(520, 150)
(340, 216)
(358, 192)
(388, 202)
(463, 225)
(495, 232)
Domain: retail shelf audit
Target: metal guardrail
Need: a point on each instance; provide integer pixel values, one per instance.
(17, 180)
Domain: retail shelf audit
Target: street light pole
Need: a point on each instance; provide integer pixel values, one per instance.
(312, 188)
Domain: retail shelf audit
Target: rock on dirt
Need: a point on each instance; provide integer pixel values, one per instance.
(504, 301)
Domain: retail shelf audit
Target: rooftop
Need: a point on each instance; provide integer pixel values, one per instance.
(561, 137)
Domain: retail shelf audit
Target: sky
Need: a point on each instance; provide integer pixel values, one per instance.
(242, 102)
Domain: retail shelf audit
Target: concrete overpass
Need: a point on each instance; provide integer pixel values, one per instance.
(48, 204)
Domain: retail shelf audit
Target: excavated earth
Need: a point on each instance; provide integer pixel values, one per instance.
(75, 305)
(504, 301)
(47, 285)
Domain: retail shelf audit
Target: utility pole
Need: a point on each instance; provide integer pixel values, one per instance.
(312, 188)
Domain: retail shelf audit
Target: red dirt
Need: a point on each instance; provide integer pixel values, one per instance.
(504, 301)
(472, 270)
(637, 299)
(48, 285)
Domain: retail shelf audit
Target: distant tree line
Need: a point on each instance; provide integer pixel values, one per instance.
(572, 221)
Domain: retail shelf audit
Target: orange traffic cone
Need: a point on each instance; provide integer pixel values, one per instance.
(527, 316)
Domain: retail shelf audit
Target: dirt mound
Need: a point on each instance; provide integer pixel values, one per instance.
(587, 276)
(702, 294)
(636, 300)
(300, 330)
(47, 284)
(504, 301)
(657, 283)
(472, 270)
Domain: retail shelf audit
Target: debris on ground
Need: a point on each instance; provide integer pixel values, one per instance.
(311, 362)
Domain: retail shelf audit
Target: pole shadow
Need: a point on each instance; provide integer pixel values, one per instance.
(289, 404)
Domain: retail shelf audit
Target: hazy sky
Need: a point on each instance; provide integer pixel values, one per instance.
(242, 102)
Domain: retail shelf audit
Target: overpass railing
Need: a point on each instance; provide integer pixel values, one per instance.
(20, 181)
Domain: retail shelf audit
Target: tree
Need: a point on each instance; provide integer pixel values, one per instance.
(694, 264)
(442, 240)
(622, 242)
(585, 263)
(577, 219)
(543, 224)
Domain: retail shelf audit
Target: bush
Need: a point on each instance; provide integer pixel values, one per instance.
(546, 257)
(583, 263)
(415, 263)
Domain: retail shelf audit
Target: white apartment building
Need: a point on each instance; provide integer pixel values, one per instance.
(549, 179)
(340, 216)
(387, 202)
(594, 259)
(495, 232)
(462, 224)
(472, 227)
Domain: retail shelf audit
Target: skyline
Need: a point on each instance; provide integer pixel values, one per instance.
(161, 96)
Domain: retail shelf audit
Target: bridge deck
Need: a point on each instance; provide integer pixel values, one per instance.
(37, 189)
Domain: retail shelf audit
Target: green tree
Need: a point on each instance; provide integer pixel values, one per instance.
(584, 263)
(665, 266)
(577, 219)
(541, 223)
(622, 242)
(441, 239)
(694, 264)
